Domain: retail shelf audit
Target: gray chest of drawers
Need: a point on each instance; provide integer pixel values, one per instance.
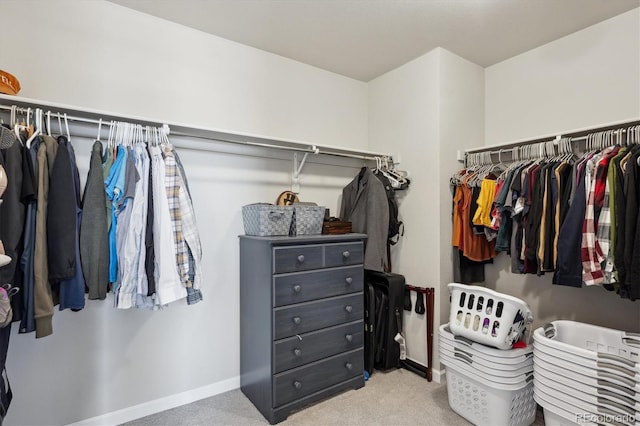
(301, 319)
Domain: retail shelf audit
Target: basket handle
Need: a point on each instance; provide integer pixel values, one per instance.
(549, 330)
(609, 394)
(617, 358)
(467, 354)
(631, 339)
(606, 411)
(464, 339)
(607, 403)
(629, 383)
(464, 358)
(616, 368)
(276, 215)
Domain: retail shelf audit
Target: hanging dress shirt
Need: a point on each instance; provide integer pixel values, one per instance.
(169, 287)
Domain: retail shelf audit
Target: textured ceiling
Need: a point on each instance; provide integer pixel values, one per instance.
(363, 39)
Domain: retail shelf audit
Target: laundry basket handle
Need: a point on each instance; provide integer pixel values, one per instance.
(631, 339)
(609, 395)
(616, 368)
(549, 330)
(615, 405)
(607, 381)
(464, 339)
(617, 358)
(464, 358)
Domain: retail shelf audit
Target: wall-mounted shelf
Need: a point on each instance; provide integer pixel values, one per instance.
(88, 115)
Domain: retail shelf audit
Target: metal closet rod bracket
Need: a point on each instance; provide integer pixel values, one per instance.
(297, 168)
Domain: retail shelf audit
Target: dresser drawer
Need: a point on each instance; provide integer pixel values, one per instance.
(343, 254)
(304, 286)
(294, 384)
(297, 258)
(294, 352)
(309, 316)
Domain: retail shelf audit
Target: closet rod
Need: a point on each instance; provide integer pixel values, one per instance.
(575, 135)
(85, 115)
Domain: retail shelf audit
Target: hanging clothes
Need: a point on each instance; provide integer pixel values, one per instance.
(575, 218)
(27, 259)
(133, 278)
(44, 297)
(365, 205)
(94, 241)
(12, 218)
(72, 289)
(168, 283)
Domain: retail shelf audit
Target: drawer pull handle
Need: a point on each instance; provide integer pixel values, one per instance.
(348, 308)
(349, 366)
(346, 254)
(297, 288)
(349, 280)
(301, 258)
(297, 385)
(349, 337)
(297, 351)
(297, 320)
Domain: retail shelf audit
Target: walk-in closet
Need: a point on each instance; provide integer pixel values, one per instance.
(310, 212)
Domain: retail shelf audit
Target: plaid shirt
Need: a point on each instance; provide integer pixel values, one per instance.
(604, 237)
(591, 251)
(191, 236)
(172, 186)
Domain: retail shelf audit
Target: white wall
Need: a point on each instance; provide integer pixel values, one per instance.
(461, 126)
(582, 80)
(100, 55)
(428, 108)
(404, 111)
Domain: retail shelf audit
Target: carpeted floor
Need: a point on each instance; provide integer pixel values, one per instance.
(398, 397)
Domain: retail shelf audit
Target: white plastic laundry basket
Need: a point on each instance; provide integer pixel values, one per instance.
(511, 356)
(491, 405)
(594, 343)
(487, 316)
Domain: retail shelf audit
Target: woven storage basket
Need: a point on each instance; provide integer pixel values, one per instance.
(307, 220)
(266, 219)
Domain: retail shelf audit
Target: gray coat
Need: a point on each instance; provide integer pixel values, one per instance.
(365, 205)
(94, 242)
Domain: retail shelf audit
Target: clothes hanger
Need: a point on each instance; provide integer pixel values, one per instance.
(66, 125)
(38, 127)
(99, 129)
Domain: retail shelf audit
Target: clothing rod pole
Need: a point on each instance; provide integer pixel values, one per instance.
(310, 149)
(575, 135)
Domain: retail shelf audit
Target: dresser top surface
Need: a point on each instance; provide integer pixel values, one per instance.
(323, 238)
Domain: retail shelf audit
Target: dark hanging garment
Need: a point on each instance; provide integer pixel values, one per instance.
(621, 207)
(150, 256)
(569, 268)
(632, 281)
(72, 290)
(94, 243)
(466, 271)
(5, 389)
(27, 259)
(61, 217)
(12, 216)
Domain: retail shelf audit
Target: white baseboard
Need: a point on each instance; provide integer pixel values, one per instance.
(438, 376)
(161, 404)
